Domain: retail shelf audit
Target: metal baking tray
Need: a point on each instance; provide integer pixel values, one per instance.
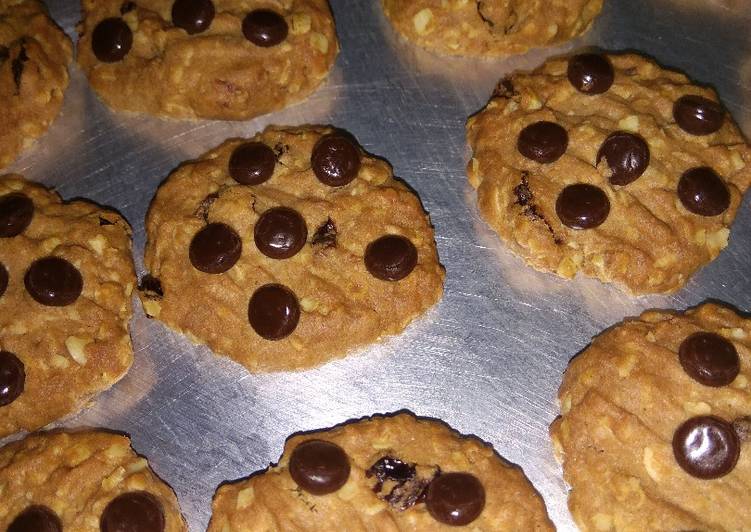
(489, 358)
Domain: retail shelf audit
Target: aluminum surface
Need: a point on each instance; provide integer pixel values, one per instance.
(488, 359)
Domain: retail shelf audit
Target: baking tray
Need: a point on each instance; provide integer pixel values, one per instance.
(488, 359)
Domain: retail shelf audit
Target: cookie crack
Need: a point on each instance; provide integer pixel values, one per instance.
(18, 66)
(525, 199)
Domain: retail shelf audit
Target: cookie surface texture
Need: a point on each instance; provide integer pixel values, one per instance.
(289, 249)
(636, 400)
(398, 470)
(490, 27)
(66, 278)
(610, 166)
(79, 481)
(220, 59)
(34, 58)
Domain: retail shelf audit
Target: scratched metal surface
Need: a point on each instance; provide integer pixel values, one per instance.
(489, 358)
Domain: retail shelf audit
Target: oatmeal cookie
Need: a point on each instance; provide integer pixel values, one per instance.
(610, 166)
(289, 249)
(490, 27)
(84, 481)
(221, 59)
(655, 426)
(383, 473)
(34, 58)
(66, 278)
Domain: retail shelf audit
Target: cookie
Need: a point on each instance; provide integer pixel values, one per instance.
(83, 481)
(206, 59)
(269, 249)
(66, 278)
(34, 58)
(488, 27)
(610, 166)
(655, 432)
(395, 473)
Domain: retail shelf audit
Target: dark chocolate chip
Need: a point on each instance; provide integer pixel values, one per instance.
(12, 377)
(215, 248)
(265, 28)
(53, 281)
(335, 160)
(17, 67)
(16, 212)
(590, 73)
(273, 311)
(111, 40)
(455, 498)
(325, 235)
(390, 468)
(319, 467)
(698, 115)
(3, 279)
(703, 192)
(194, 16)
(151, 286)
(627, 156)
(134, 511)
(582, 206)
(390, 258)
(36, 518)
(280, 233)
(252, 163)
(709, 359)
(543, 142)
(706, 447)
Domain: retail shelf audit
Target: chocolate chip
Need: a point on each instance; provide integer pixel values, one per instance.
(53, 281)
(390, 468)
(3, 279)
(134, 511)
(16, 212)
(273, 311)
(627, 156)
(111, 40)
(709, 359)
(319, 467)
(455, 498)
(252, 163)
(582, 206)
(706, 447)
(17, 67)
(325, 235)
(12, 377)
(215, 248)
(280, 233)
(543, 142)
(698, 115)
(390, 258)
(194, 16)
(703, 192)
(265, 28)
(335, 160)
(151, 287)
(36, 518)
(590, 73)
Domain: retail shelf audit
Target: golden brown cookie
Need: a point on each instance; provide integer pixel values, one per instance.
(66, 278)
(655, 432)
(490, 27)
(382, 473)
(610, 166)
(34, 58)
(222, 59)
(289, 249)
(83, 481)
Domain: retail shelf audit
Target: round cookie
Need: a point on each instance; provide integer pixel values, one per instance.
(34, 58)
(217, 59)
(488, 27)
(268, 249)
(66, 278)
(383, 473)
(83, 481)
(610, 166)
(655, 426)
